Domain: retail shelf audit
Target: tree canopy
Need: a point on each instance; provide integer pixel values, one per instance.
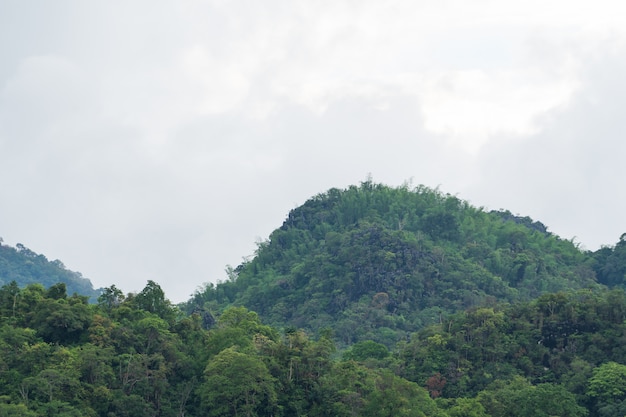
(25, 267)
(375, 262)
(371, 301)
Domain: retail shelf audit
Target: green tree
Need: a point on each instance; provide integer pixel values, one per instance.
(237, 384)
(152, 299)
(57, 291)
(111, 297)
(131, 405)
(466, 407)
(16, 410)
(237, 326)
(61, 320)
(367, 349)
(608, 382)
(397, 397)
(518, 398)
(9, 294)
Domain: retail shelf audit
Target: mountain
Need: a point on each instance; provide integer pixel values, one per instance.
(25, 267)
(375, 262)
(455, 286)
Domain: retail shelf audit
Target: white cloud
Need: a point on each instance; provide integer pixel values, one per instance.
(472, 107)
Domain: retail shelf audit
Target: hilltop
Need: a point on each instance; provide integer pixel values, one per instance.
(439, 309)
(375, 262)
(25, 267)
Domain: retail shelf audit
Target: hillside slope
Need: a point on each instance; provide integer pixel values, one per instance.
(375, 262)
(25, 267)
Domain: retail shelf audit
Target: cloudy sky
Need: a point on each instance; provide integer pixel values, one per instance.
(161, 139)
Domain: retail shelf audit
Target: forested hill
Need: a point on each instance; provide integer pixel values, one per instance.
(374, 262)
(25, 267)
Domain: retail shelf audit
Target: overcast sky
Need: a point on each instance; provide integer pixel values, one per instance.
(161, 139)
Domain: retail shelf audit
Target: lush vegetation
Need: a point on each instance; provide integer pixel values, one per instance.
(137, 355)
(24, 266)
(375, 262)
(371, 301)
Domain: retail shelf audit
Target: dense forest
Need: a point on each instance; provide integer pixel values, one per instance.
(24, 266)
(137, 355)
(369, 301)
(375, 262)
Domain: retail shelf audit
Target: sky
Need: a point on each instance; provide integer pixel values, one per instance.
(162, 140)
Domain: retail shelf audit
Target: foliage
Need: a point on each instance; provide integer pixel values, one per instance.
(375, 262)
(610, 264)
(25, 267)
(367, 349)
(136, 355)
(370, 301)
(518, 398)
(556, 355)
(237, 383)
(608, 382)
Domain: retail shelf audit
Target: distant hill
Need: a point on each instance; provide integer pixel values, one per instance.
(25, 267)
(374, 262)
